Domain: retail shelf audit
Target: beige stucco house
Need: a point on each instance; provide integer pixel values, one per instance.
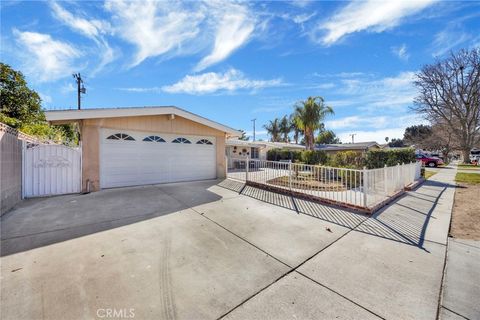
(240, 150)
(137, 146)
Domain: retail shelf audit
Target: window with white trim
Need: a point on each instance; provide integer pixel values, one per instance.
(254, 153)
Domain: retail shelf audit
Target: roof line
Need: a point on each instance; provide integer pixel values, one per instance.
(95, 113)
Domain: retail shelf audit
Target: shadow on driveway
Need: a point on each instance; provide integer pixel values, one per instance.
(405, 220)
(43, 221)
(39, 222)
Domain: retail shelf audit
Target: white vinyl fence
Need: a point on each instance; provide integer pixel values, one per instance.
(51, 169)
(365, 188)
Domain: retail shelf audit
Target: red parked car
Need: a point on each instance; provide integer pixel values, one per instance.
(429, 161)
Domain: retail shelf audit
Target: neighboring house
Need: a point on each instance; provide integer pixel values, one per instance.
(137, 146)
(357, 146)
(239, 149)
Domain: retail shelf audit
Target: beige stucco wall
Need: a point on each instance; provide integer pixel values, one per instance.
(90, 134)
(10, 169)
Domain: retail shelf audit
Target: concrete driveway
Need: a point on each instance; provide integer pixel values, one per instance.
(201, 250)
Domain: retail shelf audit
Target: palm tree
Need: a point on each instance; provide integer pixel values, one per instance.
(285, 128)
(309, 115)
(297, 132)
(273, 129)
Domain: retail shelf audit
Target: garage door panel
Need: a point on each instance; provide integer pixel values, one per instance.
(128, 163)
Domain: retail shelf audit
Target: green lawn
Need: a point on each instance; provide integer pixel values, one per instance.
(473, 178)
(468, 167)
(428, 174)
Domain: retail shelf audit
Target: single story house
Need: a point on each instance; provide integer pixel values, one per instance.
(136, 146)
(362, 147)
(240, 149)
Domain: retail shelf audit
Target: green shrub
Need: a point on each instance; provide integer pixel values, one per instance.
(283, 154)
(347, 159)
(380, 158)
(313, 157)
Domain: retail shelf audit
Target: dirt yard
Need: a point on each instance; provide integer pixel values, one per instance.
(466, 212)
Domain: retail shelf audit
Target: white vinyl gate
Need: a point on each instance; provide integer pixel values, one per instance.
(51, 169)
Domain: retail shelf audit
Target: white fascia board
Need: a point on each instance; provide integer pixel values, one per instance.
(75, 115)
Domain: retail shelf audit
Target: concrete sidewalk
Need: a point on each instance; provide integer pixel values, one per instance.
(461, 284)
(461, 291)
(390, 265)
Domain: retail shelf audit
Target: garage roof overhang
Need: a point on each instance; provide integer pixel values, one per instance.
(68, 116)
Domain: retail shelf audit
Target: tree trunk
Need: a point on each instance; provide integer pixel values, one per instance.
(466, 155)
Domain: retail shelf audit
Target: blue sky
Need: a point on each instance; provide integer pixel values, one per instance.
(236, 61)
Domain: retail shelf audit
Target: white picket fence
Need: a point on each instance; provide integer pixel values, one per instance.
(365, 188)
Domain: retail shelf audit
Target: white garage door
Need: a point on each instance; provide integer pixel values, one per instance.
(131, 158)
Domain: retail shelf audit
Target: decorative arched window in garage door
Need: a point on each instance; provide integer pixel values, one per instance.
(204, 141)
(181, 140)
(120, 136)
(154, 139)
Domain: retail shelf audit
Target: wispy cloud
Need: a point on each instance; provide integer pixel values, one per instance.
(67, 88)
(44, 58)
(170, 29)
(90, 28)
(229, 81)
(446, 40)
(46, 99)
(142, 89)
(371, 15)
(401, 52)
(301, 3)
(268, 109)
(372, 135)
(93, 29)
(368, 93)
(155, 27)
(373, 128)
(357, 121)
(234, 28)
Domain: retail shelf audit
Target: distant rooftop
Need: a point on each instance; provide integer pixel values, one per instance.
(347, 146)
(263, 144)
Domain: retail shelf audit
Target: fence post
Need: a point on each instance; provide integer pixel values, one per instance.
(226, 166)
(385, 180)
(247, 164)
(290, 175)
(399, 180)
(365, 187)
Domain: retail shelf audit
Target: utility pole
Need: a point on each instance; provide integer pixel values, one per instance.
(80, 88)
(253, 120)
(353, 135)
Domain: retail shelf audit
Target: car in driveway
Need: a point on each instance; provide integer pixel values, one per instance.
(429, 161)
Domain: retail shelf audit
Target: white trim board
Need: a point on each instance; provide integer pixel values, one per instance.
(72, 115)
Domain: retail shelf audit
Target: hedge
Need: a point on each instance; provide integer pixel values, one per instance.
(380, 158)
(304, 156)
(314, 157)
(283, 154)
(347, 159)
